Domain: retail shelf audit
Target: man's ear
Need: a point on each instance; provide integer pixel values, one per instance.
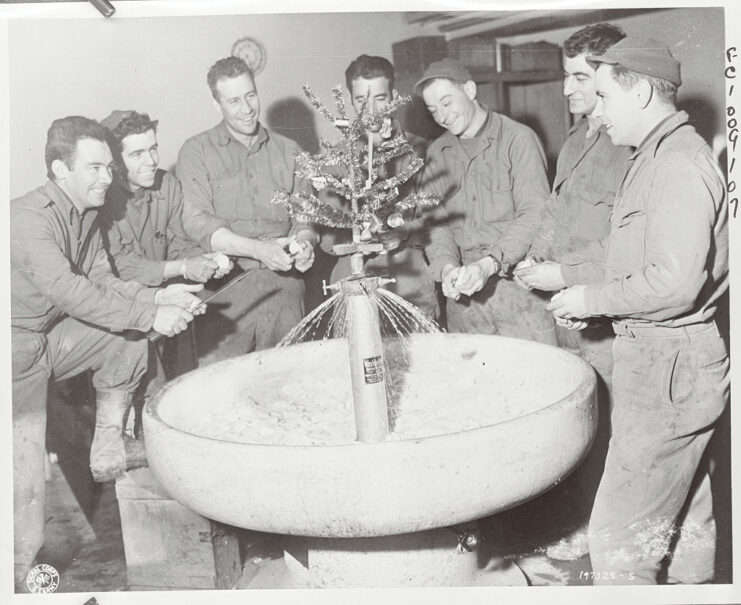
(59, 169)
(470, 89)
(394, 94)
(643, 92)
(215, 105)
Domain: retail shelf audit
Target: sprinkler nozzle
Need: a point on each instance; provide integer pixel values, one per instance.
(327, 287)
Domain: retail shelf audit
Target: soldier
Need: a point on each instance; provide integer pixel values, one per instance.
(372, 78)
(69, 314)
(666, 266)
(490, 172)
(143, 228)
(229, 174)
(589, 171)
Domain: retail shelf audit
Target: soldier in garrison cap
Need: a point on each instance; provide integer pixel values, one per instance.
(144, 236)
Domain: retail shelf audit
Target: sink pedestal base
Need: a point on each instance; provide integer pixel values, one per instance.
(426, 558)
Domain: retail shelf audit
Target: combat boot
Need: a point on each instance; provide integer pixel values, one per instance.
(112, 453)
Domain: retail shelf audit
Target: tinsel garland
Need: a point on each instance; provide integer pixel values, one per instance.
(417, 200)
(307, 208)
(376, 197)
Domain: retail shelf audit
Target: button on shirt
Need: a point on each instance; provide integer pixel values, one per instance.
(59, 268)
(494, 192)
(667, 256)
(145, 229)
(577, 217)
(227, 185)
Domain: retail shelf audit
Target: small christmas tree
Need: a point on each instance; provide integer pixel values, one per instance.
(351, 168)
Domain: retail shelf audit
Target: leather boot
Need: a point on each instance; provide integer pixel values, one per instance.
(108, 451)
(136, 453)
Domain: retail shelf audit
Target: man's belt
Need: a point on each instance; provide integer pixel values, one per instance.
(628, 330)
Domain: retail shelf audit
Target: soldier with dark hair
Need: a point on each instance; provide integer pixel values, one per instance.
(370, 80)
(69, 314)
(229, 175)
(569, 242)
(143, 228)
(143, 211)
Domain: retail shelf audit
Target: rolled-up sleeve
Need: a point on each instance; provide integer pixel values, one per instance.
(99, 298)
(180, 245)
(199, 216)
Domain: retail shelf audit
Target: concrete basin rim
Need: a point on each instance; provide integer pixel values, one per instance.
(589, 383)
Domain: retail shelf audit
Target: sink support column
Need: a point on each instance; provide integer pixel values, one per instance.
(367, 367)
(426, 558)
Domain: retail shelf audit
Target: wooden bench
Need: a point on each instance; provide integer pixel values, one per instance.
(168, 546)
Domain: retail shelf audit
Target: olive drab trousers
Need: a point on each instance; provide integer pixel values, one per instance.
(118, 362)
(502, 307)
(252, 315)
(654, 503)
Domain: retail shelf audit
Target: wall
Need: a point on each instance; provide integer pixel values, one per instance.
(695, 37)
(158, 65)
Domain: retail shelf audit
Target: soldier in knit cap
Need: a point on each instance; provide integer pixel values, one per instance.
(666, 266)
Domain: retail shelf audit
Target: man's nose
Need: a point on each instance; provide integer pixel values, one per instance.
(597, 111)
(568, 85)
(106, 176)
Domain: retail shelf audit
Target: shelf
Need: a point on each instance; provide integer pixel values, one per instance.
(487, 75)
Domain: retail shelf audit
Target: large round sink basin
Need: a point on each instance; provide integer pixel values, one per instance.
(498, 421)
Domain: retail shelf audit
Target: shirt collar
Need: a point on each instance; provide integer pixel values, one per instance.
(490, 129)
(652, 141)
(59, 197)
(224, 136)
(121, 191)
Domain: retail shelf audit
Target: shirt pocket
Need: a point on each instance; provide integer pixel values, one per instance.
(496, 193)
(265, 176)
(627, 244)
(592, 191)
(226, 192)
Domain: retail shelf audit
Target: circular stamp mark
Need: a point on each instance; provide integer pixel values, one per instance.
(43, 579)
